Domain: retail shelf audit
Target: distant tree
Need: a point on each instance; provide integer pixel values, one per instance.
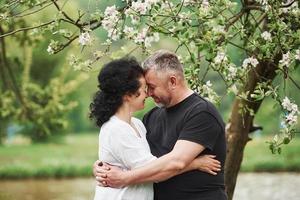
(264, 32)
(34, 86)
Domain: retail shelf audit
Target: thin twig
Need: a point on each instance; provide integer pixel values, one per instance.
(26, 29)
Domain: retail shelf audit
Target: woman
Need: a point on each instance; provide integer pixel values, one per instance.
(122, 138)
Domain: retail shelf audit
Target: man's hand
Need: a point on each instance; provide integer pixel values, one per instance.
(108, 175)
(208, 163)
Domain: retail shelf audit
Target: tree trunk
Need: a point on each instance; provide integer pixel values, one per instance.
(240, 124)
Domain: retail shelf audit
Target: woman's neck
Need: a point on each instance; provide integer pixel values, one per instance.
(124, 113)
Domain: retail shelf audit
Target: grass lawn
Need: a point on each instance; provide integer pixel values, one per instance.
(258, 157)
(74, 155)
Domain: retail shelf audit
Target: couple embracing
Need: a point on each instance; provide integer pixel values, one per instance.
(176, 153)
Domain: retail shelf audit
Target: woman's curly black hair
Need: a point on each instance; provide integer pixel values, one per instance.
(116, 78)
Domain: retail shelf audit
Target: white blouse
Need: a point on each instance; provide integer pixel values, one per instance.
(120, 145)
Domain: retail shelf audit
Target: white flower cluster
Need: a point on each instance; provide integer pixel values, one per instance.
(141, 37)
(293, 8)
(50, 50)
(232, 72)
(220, 58)
(264, 4)
(250, 62)
(286, 59)
(209, 93)
(292, 111)
(52, 47)
(110, 22)
(297, 54)
(189, 2)
(139, 8)
(205, 6)
(84, 38)
(217, 29)
(229, 70)
(266, 36)
(185, 17)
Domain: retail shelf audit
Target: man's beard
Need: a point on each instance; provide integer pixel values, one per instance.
(160, 105)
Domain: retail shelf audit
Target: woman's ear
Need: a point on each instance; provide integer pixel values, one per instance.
(126, 98)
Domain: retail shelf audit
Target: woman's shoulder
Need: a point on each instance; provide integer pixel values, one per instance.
(114, 126)
(139, 123)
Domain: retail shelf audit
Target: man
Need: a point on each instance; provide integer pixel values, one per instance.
(184, 125)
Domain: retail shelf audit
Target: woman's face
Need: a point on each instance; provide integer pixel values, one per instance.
(137, 100)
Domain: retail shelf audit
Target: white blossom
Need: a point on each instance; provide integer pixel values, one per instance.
(292, 111)
(84, 38)
(265, 4)
(292, 8)
(291, 118)
(286, 103)
(50, 50)
(220, 58)
(189, 2)
(297, 55)
(140, 7)
(250, 61)
(185, 16)
(205, 4)
(219, 29)
(266, 36)
(111, 11)
(233, 89)
(148, 41)
(114, 34)
(52, 46)
(208, 84)
(285, 61)
(232, 72)
(209, 92)
(172, 29)
(129, 31)
(110, 20)
(131, 13)
(155, 37)
(289, 106)
(141, 36)
(166, 5)
(151, 2)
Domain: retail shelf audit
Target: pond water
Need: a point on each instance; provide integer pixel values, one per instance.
(258, 186)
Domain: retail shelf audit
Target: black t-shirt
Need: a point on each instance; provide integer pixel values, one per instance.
(193, 119)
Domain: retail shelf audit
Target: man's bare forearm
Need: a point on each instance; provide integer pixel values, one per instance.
(158, 170)
(169, 165)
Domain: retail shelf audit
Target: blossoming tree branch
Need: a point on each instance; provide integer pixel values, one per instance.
(266, 33)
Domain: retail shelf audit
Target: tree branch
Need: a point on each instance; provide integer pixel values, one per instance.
(30, 13)
(63, 12)
(25, 29)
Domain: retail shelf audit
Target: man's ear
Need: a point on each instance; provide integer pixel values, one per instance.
(172, 82)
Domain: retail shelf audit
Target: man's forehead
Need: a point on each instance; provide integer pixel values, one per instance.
(150, 76)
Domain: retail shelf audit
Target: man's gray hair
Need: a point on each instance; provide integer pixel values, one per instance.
(163, 60)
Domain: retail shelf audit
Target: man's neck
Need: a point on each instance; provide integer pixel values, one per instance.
(180, 95)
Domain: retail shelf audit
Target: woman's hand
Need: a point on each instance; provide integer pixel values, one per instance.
(108, 175)
(208, 164)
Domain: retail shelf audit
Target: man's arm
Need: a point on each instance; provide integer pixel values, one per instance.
(205, 163)
(171, 164)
